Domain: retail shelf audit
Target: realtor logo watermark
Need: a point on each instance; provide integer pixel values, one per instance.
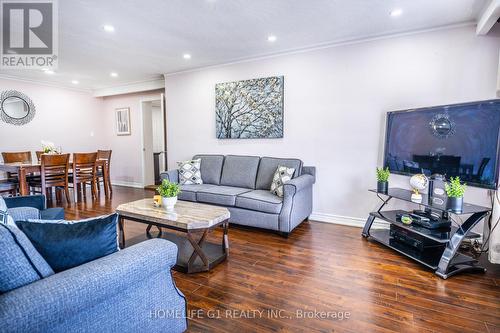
(29, 34)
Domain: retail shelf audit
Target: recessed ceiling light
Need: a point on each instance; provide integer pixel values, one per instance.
(113, 74)
(186, 56)
(75, 81)
(108, 28)
(271, 38)
(396, 12)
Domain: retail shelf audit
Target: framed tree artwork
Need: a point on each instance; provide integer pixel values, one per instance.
(249, 109)
(122, 117)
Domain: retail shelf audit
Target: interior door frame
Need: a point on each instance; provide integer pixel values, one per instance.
(164, 116)
(141, 107)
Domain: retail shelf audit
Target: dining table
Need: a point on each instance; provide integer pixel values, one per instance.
(23, 169)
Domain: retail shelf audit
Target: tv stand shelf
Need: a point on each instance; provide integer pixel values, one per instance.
(444, 260)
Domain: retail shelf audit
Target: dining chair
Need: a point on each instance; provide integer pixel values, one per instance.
(103, 171)
(84, 172)
(39, 154)
(54, 174)
(8, 187)
(16, 157)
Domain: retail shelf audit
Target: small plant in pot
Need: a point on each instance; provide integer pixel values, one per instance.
(168, 192)
(455, 191)
(382, 180)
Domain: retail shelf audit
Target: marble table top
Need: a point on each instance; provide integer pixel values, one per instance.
(186, 215)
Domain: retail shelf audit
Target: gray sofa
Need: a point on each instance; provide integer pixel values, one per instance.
(242, 183)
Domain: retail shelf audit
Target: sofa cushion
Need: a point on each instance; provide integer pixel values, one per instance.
(20, 262)
(67, 244)
(188, 192)
(240, 171)
(260, 200)
(55, 213)
(220, 195)
(211, 168)
(268, 166)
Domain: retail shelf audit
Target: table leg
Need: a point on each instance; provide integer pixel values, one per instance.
(225, 238)
(105, 181)
(23, 184)
(198, 251)
(121, 230)
(148, 230)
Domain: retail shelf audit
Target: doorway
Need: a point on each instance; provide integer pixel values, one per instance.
(154, 154)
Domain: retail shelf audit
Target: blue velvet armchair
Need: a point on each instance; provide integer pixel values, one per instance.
(38, 202)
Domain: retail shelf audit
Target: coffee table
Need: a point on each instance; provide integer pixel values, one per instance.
(194, 219)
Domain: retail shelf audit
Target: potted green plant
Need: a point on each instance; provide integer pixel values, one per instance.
(383, 179)
(455, 191)
(168, 192)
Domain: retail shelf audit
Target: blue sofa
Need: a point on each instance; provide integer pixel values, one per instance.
(242, 183)
(131, 290)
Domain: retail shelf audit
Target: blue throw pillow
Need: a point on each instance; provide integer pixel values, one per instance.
(67, 244)
(20, 262)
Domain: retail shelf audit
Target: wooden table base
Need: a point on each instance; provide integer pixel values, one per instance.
(195, 254)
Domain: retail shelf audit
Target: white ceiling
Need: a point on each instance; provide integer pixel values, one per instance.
(151, 36)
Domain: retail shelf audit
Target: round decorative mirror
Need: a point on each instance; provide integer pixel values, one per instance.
(16, 107)
(442, 126)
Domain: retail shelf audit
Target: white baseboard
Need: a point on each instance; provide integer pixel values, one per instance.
(127, 184)
(346, 220)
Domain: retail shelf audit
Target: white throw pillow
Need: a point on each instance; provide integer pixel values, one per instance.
(189, 172)
(281, 176)
(5, 218)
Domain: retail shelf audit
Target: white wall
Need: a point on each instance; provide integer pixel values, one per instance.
(335, 104)
(126, 160)
(77, 121)
(66, 117)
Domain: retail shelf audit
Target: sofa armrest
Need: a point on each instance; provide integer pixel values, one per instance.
(54, 299)
(298, 184)
(170, 175)
(309, 170)
(35, 201)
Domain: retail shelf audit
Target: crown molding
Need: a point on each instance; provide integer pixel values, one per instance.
(488, 18)
(326, 45)
(131, 87)
(44, 83)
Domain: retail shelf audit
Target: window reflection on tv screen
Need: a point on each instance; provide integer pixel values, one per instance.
(455, 140)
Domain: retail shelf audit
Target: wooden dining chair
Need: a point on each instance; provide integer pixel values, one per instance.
(84, 172)
(39, 154)
(54, 174)
(8, 187)
(103, 171)
(16, 157)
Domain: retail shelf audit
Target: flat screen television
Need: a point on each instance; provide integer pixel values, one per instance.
(452, 140)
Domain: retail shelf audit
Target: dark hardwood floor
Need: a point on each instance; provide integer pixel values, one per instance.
(322, 269)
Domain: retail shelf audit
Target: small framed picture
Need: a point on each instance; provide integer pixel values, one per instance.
(122, 121)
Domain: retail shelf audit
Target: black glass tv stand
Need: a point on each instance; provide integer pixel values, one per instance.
(444, 259)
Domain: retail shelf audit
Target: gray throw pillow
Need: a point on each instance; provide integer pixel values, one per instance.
(23, 213)
(189, 172)
(281, 176)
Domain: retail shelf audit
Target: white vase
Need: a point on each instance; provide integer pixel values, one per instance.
(168, 203)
